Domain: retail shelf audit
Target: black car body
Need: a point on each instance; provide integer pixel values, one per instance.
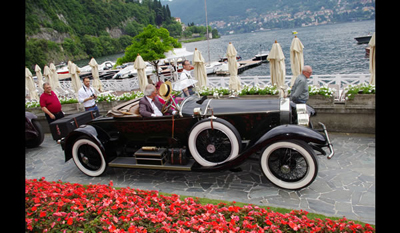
(34, 134)
(209, 134)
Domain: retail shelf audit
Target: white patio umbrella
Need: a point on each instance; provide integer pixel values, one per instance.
(234, 83)
(296, 58)
(199, 69)
(46, 74)
(372, 59)
(75, 80)
(54, 77)
(95, 74)
(39, 76)
(139, 65)
(277, 65)
(30, 84)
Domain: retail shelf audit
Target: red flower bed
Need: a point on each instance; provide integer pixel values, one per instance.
(64, 207)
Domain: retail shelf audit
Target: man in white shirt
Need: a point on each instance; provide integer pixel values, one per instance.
(186, 75)
(87, 96)
(149, 105)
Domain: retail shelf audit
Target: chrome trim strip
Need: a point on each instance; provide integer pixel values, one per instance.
(183, 103)
(206, 110)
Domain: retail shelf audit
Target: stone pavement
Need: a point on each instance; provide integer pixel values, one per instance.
(345, 185)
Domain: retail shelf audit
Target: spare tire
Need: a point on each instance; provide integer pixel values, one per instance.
(211, 146)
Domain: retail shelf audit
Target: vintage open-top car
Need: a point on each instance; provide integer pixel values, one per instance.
(205, 135)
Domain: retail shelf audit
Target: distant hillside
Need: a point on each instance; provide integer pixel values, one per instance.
(271, 13)
(58, 30)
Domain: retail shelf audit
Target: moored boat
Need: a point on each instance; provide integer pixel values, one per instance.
(363, 39)
(261, 56)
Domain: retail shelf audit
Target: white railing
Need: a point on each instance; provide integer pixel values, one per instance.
(339, 80)
(110, 84)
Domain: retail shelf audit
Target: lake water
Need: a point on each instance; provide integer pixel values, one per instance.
(329, 49)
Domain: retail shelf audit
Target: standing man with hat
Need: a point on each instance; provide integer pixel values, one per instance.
(87, 96)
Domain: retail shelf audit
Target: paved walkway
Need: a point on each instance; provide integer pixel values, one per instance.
(345, 185)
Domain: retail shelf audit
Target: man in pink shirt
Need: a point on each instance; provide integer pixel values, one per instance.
(50, 104)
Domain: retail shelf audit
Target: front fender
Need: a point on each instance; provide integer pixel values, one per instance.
(83, 130)
(284, 132)
(279, 133)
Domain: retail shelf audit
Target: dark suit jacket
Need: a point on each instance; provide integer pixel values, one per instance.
(145, 108)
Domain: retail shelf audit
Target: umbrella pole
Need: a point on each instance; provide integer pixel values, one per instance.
(208, 41)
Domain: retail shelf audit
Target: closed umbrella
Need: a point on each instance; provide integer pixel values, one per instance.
(30, 84)
(199, 69)
(277, 65)
(296, 58)
(372, 59)
(46, 74)
(95, 74)
(75, 80)
(54, 83)
(234, 83)
(139, 65)
(39, 76)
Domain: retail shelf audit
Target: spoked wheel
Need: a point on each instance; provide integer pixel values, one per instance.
(289, 164)
(210, 146)
(88, 157)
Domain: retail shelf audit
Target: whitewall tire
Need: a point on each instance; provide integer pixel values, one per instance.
(289, 164)
(213, 146)
(88, 157)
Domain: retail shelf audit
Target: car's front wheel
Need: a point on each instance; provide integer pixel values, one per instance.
(289, 164)
(88, 157)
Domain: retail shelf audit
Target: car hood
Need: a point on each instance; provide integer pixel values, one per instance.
(231, 106)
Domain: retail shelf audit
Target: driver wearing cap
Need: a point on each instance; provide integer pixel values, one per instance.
(149, 105)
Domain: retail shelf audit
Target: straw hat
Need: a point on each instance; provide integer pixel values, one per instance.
(165, 90)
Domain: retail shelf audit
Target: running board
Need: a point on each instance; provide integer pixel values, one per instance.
(130, 162)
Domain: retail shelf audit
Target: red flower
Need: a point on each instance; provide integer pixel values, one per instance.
(65, 207)
(70, 221)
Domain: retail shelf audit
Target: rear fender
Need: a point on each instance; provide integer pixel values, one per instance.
(84, 130)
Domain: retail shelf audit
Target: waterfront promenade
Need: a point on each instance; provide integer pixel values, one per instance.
(345, 185)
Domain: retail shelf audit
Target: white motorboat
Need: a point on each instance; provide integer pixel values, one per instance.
(211, 67)
(130, 72)
(261, 56)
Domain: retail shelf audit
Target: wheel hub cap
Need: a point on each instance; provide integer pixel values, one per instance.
(85, 160)
(285, 169)
(210, 148)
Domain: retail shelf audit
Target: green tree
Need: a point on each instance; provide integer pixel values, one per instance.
(151, 44)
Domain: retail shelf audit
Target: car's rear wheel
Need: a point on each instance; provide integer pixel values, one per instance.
(35, 142)
(88, 157)
(289, 164)
(214, 144)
